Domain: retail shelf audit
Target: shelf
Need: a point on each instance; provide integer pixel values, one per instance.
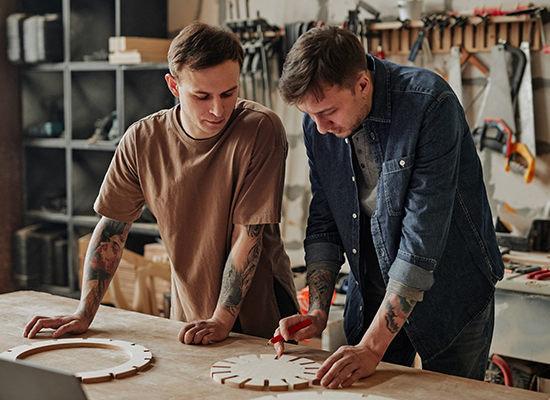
(91, 66)
(99, 145)
(48, 216)
(53, 143)
(91, 221)
(45, 67)
(144, 66)
(474, 36)
(106, 66)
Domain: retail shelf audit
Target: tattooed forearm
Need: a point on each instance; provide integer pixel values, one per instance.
(102, 259)
(321, 288)
(391, 318)
(254, 231)
(240, 267)
(398, 309)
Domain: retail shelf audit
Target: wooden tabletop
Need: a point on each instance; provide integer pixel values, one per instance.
(183, 371)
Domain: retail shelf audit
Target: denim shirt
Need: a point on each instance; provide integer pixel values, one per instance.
(432, 228)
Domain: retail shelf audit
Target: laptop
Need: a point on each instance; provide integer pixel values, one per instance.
(22, 380)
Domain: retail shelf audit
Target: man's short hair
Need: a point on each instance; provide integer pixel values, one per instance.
(328, 55)
(200, 46)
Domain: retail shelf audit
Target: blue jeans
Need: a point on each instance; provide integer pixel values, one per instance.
(467, 356)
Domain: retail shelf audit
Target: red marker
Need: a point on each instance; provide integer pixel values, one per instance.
(292, 330)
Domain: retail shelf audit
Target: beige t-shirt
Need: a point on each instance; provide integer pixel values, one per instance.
(197, 190)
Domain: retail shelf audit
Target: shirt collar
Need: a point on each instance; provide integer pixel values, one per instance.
(381, 98)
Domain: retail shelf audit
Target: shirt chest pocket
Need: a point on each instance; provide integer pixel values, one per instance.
(396, 174)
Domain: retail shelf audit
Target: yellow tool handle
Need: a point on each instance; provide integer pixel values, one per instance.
(522, 150)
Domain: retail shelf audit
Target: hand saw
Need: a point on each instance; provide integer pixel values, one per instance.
(498, 113)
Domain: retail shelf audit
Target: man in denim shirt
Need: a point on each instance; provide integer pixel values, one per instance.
(398, 187)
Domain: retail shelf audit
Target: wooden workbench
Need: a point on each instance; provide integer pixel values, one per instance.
(182, 371)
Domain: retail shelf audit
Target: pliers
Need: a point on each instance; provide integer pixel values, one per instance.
(541, 275)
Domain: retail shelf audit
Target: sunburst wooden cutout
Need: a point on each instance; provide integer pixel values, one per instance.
(326, 395)
(266, 372)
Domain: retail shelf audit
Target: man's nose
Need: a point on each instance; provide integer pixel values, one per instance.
(322, 125)
(217, 107)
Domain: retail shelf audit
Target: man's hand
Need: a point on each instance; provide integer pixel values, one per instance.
(351, 363)
(318, 323)
(204, 332)
(75, 323)
(346, 366)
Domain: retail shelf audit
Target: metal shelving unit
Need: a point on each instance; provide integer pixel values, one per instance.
(72, 167)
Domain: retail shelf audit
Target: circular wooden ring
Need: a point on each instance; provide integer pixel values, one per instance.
(140, 357)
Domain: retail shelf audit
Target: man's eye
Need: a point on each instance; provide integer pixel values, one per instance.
(226, 95)
(201, 97)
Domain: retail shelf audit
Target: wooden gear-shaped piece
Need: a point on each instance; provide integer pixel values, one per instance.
(326, 395)
(140, 357)
(266, 372)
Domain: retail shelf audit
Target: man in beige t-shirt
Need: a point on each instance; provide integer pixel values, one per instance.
(211, 170)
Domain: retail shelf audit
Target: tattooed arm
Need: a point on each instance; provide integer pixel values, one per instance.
(351, 363)
(102, 259)
(237, 277)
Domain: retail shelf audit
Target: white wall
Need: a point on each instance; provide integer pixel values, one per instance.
(528, 199)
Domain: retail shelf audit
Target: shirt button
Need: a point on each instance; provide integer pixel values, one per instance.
(402, 163)
(357, 283)
(353, 178)
(360, 308)
(362, 165)
(354, 251)
(346, 140)
(354, 215)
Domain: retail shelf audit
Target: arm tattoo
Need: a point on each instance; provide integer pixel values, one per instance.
(104, 254)
(238, 277)
(397, 314)
(390, 317)
(321, 288)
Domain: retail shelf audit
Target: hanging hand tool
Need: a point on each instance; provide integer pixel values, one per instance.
(495, 135)
(247, 61)
(417, 46)
(545, 47)
(498, 113)
(525, 104)
(455, 64)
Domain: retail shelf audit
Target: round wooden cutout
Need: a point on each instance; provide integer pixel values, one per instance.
(326, 395)
(140, 357)
(266, 372)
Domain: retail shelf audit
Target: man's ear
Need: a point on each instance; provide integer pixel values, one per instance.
(172, 85)
(364, 83)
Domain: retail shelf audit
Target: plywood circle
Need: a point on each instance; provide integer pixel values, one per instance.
(266, 372)
(140, 357)
(326, 395)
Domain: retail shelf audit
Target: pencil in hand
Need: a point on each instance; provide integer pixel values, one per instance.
(292, 330)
